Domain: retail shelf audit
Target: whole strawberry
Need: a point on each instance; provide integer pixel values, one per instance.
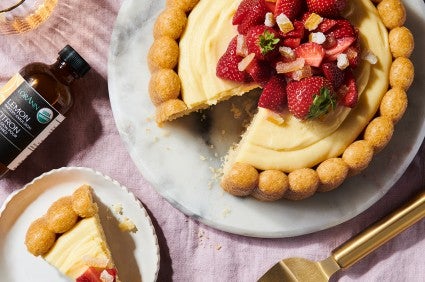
(310, 97)
(327, 8)
(263, 42)
(249, 14)
(273, 96)
(291, 8)
(227, 66)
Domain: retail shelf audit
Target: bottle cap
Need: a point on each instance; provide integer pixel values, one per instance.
(74, 60)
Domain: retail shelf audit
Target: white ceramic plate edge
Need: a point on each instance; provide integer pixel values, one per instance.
(86, 170)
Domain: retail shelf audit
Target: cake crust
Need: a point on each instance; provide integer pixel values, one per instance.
(61, 216)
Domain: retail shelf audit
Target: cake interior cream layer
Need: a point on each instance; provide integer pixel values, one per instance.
(207, 35)
(82, 244)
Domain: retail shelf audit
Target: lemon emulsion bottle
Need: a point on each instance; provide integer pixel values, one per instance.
(33, 104)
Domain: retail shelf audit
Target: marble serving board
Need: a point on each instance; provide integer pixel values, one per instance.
(182, 159)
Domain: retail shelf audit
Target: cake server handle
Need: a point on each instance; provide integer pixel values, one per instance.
(379, 233)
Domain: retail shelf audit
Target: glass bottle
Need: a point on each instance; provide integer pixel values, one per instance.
(32, 105)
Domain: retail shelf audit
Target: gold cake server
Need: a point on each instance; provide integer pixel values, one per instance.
(350, 252)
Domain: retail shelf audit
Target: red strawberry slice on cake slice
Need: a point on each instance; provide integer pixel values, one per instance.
(310, 97)
(94, 274)
(313, 53)
(227, 66)
(342, 28)
(273, 96)
(326, 25)
(340, 46)
(297, 32)
(348, 91)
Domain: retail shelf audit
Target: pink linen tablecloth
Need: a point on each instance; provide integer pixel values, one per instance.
(190, 251)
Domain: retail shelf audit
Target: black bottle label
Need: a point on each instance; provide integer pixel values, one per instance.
(26, 119)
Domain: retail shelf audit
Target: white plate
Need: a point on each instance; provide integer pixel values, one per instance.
(169, 157)
(136, 254)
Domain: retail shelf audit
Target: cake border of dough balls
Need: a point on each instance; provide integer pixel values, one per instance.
(245, 180)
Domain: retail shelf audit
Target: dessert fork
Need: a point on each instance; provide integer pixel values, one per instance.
(350, 252)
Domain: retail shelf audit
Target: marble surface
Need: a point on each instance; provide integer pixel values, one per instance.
(179, 160)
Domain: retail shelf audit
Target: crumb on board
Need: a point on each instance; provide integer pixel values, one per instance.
(166, 133)
(237, 113)
(127, 225)
(117, 208)
(226, 212)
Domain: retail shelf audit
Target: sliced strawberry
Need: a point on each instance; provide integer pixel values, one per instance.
(342, 28)
(263, 42)
(260, 71)
(330, 42)
(271, 6)
(310, 97)
(227, 66)
(254, 16)
(93, 274)
(326, 25)
(327, 8)
(291, 8)
(297, 32)
(348, 91)
(341, 45)
(333, 74)
(313, 53)
(353, 54)
(305, 16)
(291, 42)
(273, 96)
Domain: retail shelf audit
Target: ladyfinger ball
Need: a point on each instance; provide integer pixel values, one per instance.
(379, 132)
(401, 42)
(272, 185)
(240, 180)
(332, 173)
(303, 183)
(164, 85)
(358, 156)
(185, 5)
(39, 238)
(394, 104)
(171, 22)
(61, 216)
(170, 110)
(82, 202)
(402, 73)
(163, 54)
(392, 13)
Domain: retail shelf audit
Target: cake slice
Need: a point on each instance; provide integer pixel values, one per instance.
(70, 237)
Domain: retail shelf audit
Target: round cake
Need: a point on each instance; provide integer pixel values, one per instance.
(333, 74)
